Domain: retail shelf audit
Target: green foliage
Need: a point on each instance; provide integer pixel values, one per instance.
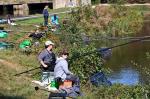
(116, 20)
(148, 55)
(95, 1)
(78, 19)
(58, 10)
(85, 61)
(125, 21)
(128, 1)
(138, 1)
(118, 1)
(82, 63)
(120, 92)
(13, 87)
(30, 21)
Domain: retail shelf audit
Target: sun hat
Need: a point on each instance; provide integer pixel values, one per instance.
(49, 43)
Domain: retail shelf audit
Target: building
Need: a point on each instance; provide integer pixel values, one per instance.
(26, 7)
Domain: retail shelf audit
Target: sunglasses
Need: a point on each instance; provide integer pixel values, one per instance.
(66, 54)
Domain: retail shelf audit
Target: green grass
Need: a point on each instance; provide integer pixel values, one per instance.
(142, 8)
(17, 87)
(58, 10)
(31, 21)
(38, 21)
(20, 87)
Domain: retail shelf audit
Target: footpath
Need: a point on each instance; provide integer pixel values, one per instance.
(30, 17)
(38, 16)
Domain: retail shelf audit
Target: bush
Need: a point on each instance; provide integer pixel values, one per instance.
(85, 61)
(115, 20)
(118, 91)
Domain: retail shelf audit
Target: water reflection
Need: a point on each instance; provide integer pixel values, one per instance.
(127, 76)
(122, 63)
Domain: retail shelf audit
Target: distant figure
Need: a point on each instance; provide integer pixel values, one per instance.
(45, 15)
(70, 4)
(54, 20)
(9, 21)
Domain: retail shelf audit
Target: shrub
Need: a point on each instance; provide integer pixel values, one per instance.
(85, 61)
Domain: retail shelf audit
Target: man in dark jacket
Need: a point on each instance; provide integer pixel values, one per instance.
(45, 15)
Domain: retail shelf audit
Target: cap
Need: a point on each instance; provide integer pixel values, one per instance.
(49, 43)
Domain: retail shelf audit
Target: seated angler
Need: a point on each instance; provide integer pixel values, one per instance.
(61, 69)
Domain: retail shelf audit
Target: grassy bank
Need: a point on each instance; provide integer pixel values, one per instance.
(17, 87)
(20, 87)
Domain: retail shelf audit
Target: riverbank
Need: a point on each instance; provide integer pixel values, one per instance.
(13, 61)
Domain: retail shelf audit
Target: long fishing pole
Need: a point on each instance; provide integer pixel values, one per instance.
(98, 50)
(133, 41)
(27, 71)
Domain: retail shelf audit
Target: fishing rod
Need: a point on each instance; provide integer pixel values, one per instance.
(100, 50)
(27, 71)
(133, 41)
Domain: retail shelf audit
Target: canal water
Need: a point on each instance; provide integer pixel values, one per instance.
(129, 63)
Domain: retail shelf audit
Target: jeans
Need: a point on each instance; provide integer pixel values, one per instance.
(74, 79)
(45, 20)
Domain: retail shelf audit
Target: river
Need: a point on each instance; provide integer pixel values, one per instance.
(129, 63)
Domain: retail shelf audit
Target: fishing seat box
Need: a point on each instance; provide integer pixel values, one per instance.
(66, 84)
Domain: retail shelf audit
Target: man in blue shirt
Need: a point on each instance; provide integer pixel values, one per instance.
(45, 15)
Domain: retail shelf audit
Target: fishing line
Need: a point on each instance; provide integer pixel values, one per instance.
(100, 50)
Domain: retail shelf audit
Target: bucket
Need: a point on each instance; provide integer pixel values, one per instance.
(54, 84)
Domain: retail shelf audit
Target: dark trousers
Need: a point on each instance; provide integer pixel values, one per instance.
(45, 20)
(74, 79)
